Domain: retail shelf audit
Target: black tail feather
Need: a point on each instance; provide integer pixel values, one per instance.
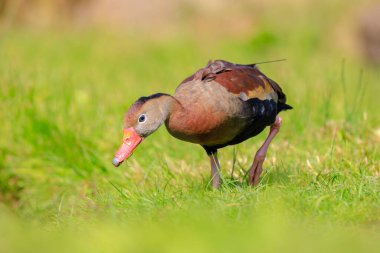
(283, 107)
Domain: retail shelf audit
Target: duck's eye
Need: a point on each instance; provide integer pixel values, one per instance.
(142, 118)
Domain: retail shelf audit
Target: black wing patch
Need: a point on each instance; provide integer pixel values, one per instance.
(262, 114)
(264, 111)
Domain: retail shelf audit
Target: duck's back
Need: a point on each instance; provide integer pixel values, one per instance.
(245, 81)
(224, 104)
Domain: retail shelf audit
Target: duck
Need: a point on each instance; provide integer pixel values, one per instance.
(221, 104)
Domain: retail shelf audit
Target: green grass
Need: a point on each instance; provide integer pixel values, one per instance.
(62, 100)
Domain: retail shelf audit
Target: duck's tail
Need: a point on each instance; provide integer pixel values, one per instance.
(283, 107)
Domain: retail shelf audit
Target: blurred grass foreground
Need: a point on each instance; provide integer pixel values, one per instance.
(70, 69)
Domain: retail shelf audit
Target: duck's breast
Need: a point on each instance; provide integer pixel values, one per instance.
(208, 114)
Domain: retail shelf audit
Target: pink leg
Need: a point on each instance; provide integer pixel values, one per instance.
(215, 167)
(257, 165)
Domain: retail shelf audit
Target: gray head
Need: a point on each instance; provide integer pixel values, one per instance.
(144, 117)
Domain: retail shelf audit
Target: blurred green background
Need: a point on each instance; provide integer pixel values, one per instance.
(70, 69)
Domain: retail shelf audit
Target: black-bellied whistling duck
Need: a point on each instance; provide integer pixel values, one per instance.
(221, 104)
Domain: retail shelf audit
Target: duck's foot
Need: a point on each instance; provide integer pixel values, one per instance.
(256, 168)
(257, 165)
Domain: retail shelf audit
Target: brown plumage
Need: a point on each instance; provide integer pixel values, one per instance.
(221, 104)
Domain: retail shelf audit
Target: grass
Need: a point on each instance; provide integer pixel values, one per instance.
(62, 100)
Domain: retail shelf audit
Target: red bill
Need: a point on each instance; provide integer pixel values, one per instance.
(130, 141)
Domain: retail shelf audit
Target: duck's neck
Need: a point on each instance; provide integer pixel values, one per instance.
(168, 106)
(174, 115)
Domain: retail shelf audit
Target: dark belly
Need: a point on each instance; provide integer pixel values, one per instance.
(263, 114)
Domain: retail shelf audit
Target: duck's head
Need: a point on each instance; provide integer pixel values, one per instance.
(144, 117)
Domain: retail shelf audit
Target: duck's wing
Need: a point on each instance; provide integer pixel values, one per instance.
(245, 81)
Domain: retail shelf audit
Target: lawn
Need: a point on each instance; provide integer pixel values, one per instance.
(63, 95)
